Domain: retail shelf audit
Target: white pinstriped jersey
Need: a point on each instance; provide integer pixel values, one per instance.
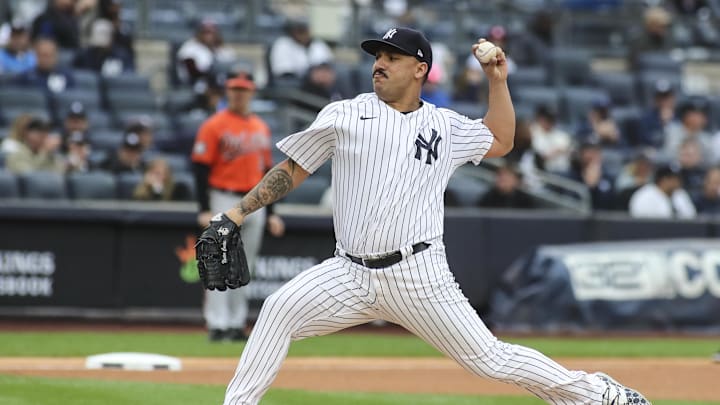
(389, 169)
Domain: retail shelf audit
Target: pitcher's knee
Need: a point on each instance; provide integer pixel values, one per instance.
(489, 360)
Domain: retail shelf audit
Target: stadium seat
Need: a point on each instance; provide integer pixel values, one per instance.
(715, 113)
(569, 66)
(131, 100)
(92, 186)
(126, 82)
(43, 185)
(538, 96)
(658, 62)
(22, 97)
(308, 192)
(9, 187)
(464, 191)
(177, 162)
(126, 183)
(160, 121)
(620, 86)
(87, 80)
(106, 140)
(90, 99)
(187, 179)
(469, 109)
(528, 76)
(11, 113)
(577, 101)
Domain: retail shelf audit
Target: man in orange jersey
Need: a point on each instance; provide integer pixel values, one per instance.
(230, 156)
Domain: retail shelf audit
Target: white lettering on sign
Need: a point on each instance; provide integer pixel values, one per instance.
(27, 262)
(282, 268)
(26, 286)
(644, 275)
(26, 273)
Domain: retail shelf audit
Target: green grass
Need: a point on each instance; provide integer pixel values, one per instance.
(195, 344)
(45, 391)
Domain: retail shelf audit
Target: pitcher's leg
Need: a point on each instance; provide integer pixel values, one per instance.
(324, 299)
(432, 306)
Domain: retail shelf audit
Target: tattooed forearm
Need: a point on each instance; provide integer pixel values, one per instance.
(274, 186)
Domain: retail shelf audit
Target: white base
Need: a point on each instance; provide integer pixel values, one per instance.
(133, 361)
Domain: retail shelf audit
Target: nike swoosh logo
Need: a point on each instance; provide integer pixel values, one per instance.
(366, 118)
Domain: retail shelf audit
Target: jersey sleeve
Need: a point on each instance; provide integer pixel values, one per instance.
(205, 149)
(316, 144)
(471, 139)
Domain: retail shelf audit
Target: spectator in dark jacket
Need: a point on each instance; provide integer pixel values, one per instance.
(60, 23)
(587, 168)
(708, 201)
(47, 75)
(128, 158)
(656, 118)
(506, 192)
(102, 55)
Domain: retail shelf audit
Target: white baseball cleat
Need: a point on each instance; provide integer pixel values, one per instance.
(618, 394)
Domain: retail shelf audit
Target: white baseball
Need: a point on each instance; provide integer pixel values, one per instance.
(485, 52)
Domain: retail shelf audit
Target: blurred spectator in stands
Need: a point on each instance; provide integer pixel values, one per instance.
(158, 184)
(39, 150)
(531, 47)
(197, 56)
(17, 56)
(656, 35)
(75, 120)
(122, 34)
(600, 125)
(471, 84)
(635, 174)
(692, 125)
(657, 117)
(14, 141)
(506, 192)
(550, 143)
(209, 94)
(321, 80)
(663, 198)
(78, 153)
(523, 141)
(47, 74)
(59, 22)
(128, 158)
(692, 169)
(102, 55)
(587, 168)
(708, 201)
(434, 91)
(293, 53)
(143, 127)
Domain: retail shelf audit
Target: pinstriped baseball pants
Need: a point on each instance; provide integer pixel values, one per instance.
(420, 294)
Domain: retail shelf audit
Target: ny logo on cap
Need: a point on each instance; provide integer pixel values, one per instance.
(391, 32)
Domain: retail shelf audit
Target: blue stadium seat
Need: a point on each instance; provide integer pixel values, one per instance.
(465, 191)
(126, 82)
(569, 66)
(43, 185)
(9, 187)
(177, 162)
(577, 101)
(92, 185)
(539, 96)
(619, 85)
(107, 140)
(186, 179)
(87, 80)
(528, 76)
(126, 183)
(309, 192)
(22, 97)
(658, 62)
(90, 99)
(628, 120)
(648, 80)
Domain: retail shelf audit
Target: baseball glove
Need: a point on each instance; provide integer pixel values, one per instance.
(220, 255)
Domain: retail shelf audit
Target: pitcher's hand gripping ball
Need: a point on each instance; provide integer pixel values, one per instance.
(220, 255)
(485, 52)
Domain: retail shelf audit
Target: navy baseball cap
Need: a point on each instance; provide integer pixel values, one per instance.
(406, 40)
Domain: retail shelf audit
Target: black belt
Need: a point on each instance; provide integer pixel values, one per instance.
(389, 260)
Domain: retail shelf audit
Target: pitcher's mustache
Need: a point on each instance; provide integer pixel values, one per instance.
(379, 71)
